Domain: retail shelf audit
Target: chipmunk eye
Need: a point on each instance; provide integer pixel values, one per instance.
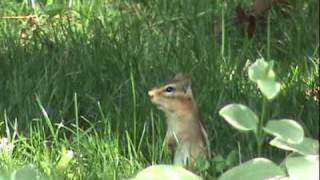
(170, 89)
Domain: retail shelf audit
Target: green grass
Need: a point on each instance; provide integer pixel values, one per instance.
(91, 74)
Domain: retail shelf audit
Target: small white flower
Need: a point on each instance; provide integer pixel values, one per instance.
(5, 145)
(65, 159)
(69, 153)
(60, 125)
(3, 142)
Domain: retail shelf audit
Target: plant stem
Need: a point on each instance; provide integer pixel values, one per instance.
(134, 106)
(268, 39)
(222, 31)
(260, 134)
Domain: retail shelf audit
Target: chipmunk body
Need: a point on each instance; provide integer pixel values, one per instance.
(185, 133)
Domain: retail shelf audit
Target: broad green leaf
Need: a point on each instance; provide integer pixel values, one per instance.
(4, 174)
(166, 172)
(28, 172)
(232, 158)
(304, 167)
(219, 163)
(285, 129)
(201, 164)
(240, 117)
(261, 70)
(255, 169)
(269, 88)
(307, 147)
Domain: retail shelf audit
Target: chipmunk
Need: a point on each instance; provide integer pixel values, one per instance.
(185, 134)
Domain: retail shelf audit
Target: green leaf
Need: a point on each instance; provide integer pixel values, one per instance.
(219, 163)
(240, 117)
(255, 169)
(269, 88)
(4, 174)
(201, 164)
(232, 158)
(28, 172)
(285, 129)
(261, 70)
(307, 147)
(304, 167)
(160, 172)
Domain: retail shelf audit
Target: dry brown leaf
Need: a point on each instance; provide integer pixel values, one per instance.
(248, 18)
(313, 93)
(251, 29)
(241, 14)
(260, 7)
(19, 17)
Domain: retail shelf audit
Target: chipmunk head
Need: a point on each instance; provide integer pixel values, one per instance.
(172, 94)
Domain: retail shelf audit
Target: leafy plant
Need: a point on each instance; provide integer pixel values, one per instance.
(86, 47)
(302, 163)
(288, 135)
(165, 172)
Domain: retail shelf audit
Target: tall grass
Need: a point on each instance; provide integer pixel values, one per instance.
(80, 82)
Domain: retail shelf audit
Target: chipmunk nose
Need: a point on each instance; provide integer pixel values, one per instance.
(151, 93)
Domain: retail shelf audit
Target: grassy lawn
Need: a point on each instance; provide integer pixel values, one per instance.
(74, 81)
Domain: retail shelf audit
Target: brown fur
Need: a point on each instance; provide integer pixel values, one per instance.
(185, 133)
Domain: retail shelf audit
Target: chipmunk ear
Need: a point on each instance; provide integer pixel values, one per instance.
(179, 76)
(187, 84)
(187, 78)
(188, 90)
